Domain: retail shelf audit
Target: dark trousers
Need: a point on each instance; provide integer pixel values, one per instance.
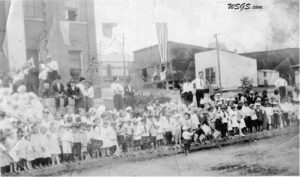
(32, 87)
(118, 101)
(57, 102)
(129, 100)
(282, 92)
(199, 96)
(286, 118)
(224, 130)
(76, 149)
(168, 136)
(89, 103)
(51, 76)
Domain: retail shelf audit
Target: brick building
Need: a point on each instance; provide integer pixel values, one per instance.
(180, 61)
(78, 19)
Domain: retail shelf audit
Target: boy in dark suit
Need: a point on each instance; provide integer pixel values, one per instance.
(74, 92)
(129, 94)
(58, 91)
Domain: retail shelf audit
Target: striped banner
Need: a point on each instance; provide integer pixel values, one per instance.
(107, 29)
(162, 36)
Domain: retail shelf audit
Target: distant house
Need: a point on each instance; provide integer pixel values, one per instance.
(233, 68)
(296, 72)
(113, 66)
(280, 60)
(267, 77)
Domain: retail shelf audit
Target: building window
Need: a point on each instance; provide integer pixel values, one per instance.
(210, 74)
(33, 8)
(75, 64)
(265, 74)
(30, 7)
(71, 10)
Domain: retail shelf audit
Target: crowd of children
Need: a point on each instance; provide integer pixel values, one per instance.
(35, 138)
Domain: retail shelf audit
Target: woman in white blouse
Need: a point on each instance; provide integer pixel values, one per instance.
(89, 95)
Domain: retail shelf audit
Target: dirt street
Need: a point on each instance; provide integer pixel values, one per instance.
(273, 156)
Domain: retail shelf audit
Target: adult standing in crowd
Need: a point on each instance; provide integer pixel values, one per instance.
(251, 97)
(52, 67)
(74, 92)
(58, 91)
(89, 95)
(82, 86)
(117, 89)
(281, 84)
(31, 76)
(187, 92)
(199, 84)
(42, 78)
(129, 94)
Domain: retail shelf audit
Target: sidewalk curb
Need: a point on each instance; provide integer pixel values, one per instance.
(93, 163)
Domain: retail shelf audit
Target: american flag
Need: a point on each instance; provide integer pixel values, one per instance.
(162, 36)
(107, 29)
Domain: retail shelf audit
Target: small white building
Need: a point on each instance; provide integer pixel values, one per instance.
(296, 72)
(267, 77)
(233, 68)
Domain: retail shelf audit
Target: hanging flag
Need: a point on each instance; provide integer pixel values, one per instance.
(14, 44)
(107, 29)
(162, 36)
(65, 31)
(109, 41)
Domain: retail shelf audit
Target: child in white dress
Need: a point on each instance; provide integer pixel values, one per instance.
(35, 141)
(233, 119)
(67, 140)
(105, 138)
(53, 144)
(159, 131)
(45, 145)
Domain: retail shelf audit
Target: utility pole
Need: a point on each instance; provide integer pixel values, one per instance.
(219, 68)
(124, 64)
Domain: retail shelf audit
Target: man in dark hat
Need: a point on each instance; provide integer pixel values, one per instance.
(117, 89)
(129, 94)
(74, 93)
(281, 84)
(58, 91)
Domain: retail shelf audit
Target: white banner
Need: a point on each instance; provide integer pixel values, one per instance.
(15, 47)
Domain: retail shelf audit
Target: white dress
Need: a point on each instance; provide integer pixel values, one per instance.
(35, 141)
(67, 142)
(5, 159)
(53, 144)
(159, 132)
(19, 150)
(105, 137)
(45, 144)
(233, 118)
(240, 119)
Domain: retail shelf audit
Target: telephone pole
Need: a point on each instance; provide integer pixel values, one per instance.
(124, 64)
(219, 68)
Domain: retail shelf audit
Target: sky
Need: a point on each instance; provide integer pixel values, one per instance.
(196, 21)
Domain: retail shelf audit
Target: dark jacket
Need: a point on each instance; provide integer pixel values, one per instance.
(127, 91)
(56, 90)
(251, 100)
